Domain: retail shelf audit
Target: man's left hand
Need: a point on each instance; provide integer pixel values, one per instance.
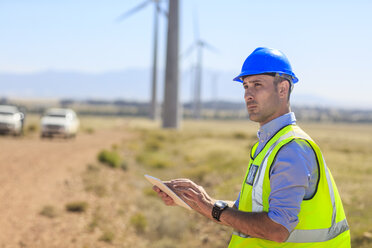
(194, 195)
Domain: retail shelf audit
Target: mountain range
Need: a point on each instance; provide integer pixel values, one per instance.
(129, 85)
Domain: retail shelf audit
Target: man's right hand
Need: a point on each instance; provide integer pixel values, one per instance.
(166, 198)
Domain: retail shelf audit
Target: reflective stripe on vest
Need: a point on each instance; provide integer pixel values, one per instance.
(297, 235)
(311, 236)
(257, 205)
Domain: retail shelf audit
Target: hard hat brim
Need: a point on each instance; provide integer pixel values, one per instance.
(239, 77)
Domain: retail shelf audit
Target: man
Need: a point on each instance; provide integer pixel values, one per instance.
(288, 197)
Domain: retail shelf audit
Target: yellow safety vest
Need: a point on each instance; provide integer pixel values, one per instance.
(322, 221)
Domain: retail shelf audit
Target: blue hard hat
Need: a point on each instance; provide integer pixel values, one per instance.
(266, 60)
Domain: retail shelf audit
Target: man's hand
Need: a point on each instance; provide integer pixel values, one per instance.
(194, 195)
(166, 198)
(255, 224)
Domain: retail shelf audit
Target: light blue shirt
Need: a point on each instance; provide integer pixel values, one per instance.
(293, 175)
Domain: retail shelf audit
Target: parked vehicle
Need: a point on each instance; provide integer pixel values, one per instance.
(61, 122)
(11, 120)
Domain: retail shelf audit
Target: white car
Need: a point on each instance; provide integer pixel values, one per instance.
(11, 120)
(59, 121)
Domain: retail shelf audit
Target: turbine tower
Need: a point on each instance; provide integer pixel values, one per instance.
(171, 109)
(154, 109)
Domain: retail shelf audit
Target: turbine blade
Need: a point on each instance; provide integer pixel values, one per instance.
(162, 11)
(133, 10)
(209, 46)
(188, 51)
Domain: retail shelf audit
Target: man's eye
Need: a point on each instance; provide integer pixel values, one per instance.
(257, 84)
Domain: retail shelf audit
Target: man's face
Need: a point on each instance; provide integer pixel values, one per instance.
(261, 97)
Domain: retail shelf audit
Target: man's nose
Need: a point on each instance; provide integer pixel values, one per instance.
(248, 95)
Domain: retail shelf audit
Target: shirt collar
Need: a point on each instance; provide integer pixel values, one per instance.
(273, 126)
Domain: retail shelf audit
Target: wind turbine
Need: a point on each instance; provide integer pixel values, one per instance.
(198, 45)
(154, 112)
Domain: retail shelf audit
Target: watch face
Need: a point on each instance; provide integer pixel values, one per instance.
(221, 204)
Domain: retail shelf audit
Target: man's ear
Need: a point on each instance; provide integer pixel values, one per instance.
(283, 89)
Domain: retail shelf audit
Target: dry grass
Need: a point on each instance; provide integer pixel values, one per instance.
(215, 154)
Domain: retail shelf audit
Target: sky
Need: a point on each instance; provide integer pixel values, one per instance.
(329, 43)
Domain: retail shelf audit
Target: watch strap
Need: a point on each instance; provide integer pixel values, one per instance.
(217, 211)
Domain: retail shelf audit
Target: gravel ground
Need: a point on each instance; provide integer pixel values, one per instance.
(35, 173)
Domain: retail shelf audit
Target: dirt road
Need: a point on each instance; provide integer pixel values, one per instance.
(35, 173)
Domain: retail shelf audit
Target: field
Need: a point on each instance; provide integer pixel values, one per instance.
(90, 191)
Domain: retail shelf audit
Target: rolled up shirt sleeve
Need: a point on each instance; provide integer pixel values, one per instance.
(293, 176)
(237, 201)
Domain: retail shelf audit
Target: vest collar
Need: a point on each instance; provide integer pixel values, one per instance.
(255, 153)
(273, 126)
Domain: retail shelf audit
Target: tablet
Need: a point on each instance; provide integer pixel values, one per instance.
(168, 191)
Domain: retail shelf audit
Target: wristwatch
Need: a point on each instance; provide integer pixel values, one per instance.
(218, 207)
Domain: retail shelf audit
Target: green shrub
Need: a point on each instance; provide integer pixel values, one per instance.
(31, 128)
(124, 165)
(139, 222)
(77, 207)
(110, 158)
(107, 237)
(88, 130)
(48, 211)
(152, 144)
(159, 136)
(240, 135)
